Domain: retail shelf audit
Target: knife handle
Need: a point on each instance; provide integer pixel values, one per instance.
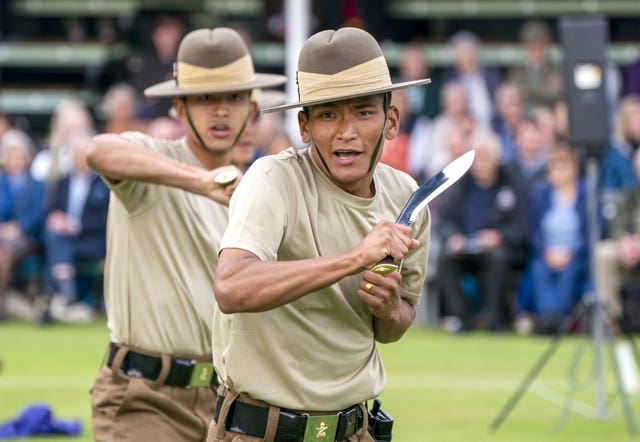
(385, 266)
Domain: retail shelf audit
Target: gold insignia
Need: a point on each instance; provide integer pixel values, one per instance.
(322, 430)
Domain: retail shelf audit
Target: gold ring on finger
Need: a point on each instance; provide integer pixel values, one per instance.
(367, 287)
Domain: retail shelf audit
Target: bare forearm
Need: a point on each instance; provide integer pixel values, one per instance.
(391, 329)
(117, 159)
(252, 285)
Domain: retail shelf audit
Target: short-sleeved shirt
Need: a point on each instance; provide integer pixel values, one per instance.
(317, 353)
(162, 251)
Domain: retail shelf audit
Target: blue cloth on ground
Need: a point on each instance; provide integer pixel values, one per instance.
(37, 419)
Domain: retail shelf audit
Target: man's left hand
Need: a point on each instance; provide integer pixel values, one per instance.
(381, 293)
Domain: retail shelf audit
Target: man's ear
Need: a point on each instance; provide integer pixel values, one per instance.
(303, 123)
(178, 106)
(393, 123)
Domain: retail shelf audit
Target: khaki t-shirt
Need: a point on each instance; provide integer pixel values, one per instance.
(317, 353)
(162, 246)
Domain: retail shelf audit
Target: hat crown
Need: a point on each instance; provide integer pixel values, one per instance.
(212, 48)
(336, 65)
(213, 61)
(329, 52)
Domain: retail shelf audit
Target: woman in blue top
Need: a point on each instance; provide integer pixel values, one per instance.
(559, 239)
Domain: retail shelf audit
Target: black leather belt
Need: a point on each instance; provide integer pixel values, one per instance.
(182, 372)
(251, 419)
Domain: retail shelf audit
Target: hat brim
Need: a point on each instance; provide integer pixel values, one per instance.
(170, 89)
(271, 98)
(376, 91)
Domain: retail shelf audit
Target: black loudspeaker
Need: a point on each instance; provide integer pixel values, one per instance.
(584, 40)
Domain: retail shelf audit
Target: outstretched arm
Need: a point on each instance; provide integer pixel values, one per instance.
(117, 159)
(244, 283)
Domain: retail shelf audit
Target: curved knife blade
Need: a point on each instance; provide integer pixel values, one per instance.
(424, 195)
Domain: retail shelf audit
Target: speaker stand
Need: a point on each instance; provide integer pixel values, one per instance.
(602, 333)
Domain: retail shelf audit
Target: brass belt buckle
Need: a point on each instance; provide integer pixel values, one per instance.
(321, 428)
(201, 374)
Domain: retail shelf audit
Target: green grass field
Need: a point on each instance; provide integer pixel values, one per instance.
(440, 388)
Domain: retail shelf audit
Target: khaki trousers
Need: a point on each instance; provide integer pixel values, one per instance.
(218, 433)
(609, 276)
(132, 409)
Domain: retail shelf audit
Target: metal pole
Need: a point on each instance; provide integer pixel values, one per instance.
(597, 328)
(297, 25)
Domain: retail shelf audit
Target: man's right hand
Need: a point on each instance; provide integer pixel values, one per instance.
(220, 183)
(386, 239)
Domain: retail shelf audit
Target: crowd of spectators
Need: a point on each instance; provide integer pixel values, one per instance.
(509, 243)
(511, 240)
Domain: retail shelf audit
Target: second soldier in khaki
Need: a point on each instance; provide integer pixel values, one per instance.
(166, 219)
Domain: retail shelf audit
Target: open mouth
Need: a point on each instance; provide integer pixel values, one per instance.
(346, 156)
(220, 130)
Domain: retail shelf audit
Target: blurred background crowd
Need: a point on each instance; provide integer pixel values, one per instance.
(510, 242)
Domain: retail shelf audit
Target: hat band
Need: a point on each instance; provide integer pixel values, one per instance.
(189, 76)
(368, 76)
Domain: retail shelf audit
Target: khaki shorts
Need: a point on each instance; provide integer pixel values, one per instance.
(133, 409)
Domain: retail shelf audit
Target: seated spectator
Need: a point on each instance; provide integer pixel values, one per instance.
(560, 245)
(455, 111)
(458, 142)
(75, 232)
(483, 227)
(509, 113)
(423, 101)
(155, 64)
(618, 257)
(533, 152)
(69, 117)
(21, 207)
(119, 110)
(616, 161)
(479, 81)
(539, 78)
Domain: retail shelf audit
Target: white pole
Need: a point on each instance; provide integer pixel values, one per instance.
(297, 25)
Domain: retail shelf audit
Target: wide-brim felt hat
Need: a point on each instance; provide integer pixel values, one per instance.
(212, 61)
(340, 65)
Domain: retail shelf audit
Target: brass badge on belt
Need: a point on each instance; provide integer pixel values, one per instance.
(202, 374)
(321, 428)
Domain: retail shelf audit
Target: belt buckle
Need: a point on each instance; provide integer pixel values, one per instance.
(321, 428)
(201, 374)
